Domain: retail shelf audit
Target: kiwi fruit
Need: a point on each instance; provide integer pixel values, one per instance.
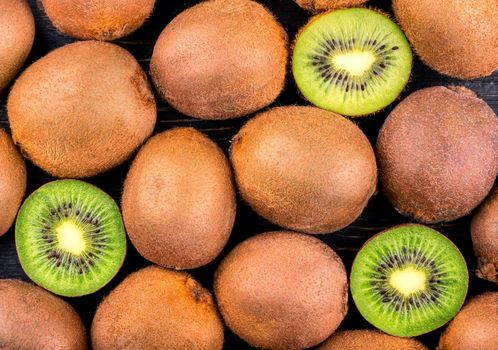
(351, 61)
(12, 181)
(179, 199)
(369, 340)
(70, 237)
(484, 232)
(282, 290)
(409, 280)
(156, 308)
(324, 5)
(475, 327)
(437, 153)
(98, 19)
(82, 109)
(228, 66)
(32, 318)
(454, 37)
(17, 33)
(304, 168)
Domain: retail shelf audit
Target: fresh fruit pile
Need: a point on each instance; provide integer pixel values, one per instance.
(300, 166)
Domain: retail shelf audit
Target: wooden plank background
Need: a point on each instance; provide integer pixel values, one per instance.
(377, 216)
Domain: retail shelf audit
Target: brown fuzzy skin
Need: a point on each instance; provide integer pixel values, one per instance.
(363, 339)
(179, 199)
(32, 318)
(282, 290)
(12, 181)
(98, 19)
(17, 32)
(456, 38)
(228, 66)
(484, 232)
(437, 154)
(82, 109)
(316, 6)
(304, 168)
(156, 308)
(475, 327)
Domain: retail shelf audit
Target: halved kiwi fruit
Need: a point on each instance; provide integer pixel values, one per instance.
(367, 339)
(324, 5)
(351, 61)
(70, 237)
(409, 280)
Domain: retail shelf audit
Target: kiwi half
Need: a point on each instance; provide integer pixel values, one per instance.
(409, 280)
(484, 232)
(282, 290)
(437, 153)
(156, 308)
(70, 237)
(369, 340)
(82, 109)
(17, 32)
(475, 327)
(33, 318)
(351, 61)
(456, 38)
(12, 181)
(323, 5)
(228, 66)
(98, 19)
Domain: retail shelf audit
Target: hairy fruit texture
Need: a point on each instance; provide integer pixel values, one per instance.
(366, 339)
(325, 5)
(226, 67)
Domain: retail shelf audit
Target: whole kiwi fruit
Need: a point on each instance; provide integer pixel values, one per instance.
(304, 168)
(456, 38)
(228, 66)
(179, 199)
(484, 232)
(98, 19)
(32, 318)
(475, 327)
(437, 153)
(12, 181)
(366, 339)
(17, 32)
(324, 5)
(82, 109)
(155, 308)
(282, 290)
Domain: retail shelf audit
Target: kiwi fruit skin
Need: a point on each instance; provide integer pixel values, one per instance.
(325, 5)
(484, 233)
(437, 154)
(12, 181)
(364, 339)
(227, 67)
(456, 38)
(82, 109)
(17, 33)
(156, 308)
(475, 327)
(282, 290)
(179, 199)
(304, 168)
(32, 318)
(98, 19)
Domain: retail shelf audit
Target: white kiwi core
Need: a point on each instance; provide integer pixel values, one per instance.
(71, 237)
(408, 280)
(355, 62)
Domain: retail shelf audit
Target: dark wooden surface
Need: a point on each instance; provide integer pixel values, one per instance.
(377, 216)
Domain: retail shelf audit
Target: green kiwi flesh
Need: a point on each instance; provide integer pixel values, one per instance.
(325, 5)
(156, 308)
(366, 339)
(282, 290)
(409, 280)
(33, 318)
(351, 61)
(70, 237)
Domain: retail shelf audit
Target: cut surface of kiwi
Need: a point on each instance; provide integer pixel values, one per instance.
(70, 237)
(409, 280)
(351, 61)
